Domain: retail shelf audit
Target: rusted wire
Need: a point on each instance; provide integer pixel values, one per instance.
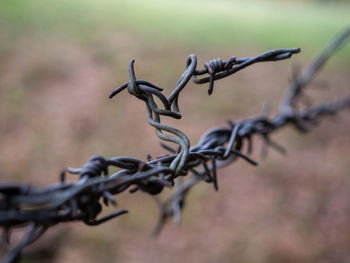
(38, 209)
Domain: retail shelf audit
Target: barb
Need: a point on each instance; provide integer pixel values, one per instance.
(41, 208)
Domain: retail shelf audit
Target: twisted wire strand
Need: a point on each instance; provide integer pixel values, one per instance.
(216, 68)
(38, 209)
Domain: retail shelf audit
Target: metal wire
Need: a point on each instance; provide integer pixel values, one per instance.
(38, 209)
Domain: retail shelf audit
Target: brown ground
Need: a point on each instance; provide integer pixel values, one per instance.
(54, 112)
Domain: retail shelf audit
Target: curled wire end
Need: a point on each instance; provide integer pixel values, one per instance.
(72, 170)
(215, 180)
(211, 85)
(159, 226)
(244, 157)
(62, 176)
(117, 90)
(132, 73)
(149, 84)
(163, 216)
(288, 54)
(108, 198)
(106, 218)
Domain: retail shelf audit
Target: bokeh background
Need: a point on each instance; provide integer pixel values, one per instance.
(60, 59)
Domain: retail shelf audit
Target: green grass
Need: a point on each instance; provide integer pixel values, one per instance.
(266, 24)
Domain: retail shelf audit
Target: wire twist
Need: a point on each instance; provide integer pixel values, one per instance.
(38, 209)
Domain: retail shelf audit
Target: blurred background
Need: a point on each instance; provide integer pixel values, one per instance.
(60, 59)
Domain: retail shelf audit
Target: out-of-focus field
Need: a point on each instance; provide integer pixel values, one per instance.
(60, 59)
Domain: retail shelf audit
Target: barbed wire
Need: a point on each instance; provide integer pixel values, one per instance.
(38, 209)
